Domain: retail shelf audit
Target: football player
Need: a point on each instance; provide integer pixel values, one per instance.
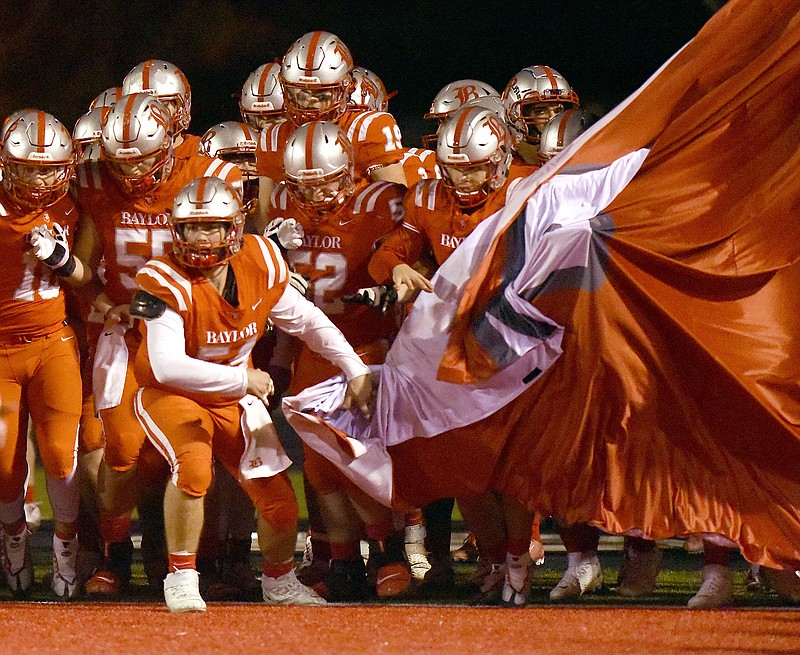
(40, 369)
(125, 199)
(474, 150)
(167, 83)
(261, 100)
(204, 306)
(316, 78)
(343, 218)
(531, 98)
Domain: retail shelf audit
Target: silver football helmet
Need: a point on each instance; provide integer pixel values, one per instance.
(166, 82)
(474, 151)
(561, 130)
(207, 223)
(369, 92)
(87, 132)
(315, 76)
(452, 97)
(38, 160)
(533, 97)
(318, 164)
(107, 98)
(261, 102)
(9, 120)
(234, 142)
(137, 142)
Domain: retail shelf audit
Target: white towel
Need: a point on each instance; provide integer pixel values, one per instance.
(263, 455)
(110, 367)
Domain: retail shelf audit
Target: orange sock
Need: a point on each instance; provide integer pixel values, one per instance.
(180, 561)
(271, 570)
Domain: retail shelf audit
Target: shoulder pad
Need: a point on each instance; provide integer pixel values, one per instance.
(145, 305)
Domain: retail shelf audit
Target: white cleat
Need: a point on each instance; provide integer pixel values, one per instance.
(581, 577)
(716, 590)
(182, 591)
(517, 583)
(17, 563)
(416, 553)
(65, 583)
(491, 580)
(638, 573)
(288, 590)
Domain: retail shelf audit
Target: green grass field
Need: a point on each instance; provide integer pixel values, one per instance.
(677, 582)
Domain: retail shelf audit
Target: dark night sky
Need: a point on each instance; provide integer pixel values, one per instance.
(58, 54)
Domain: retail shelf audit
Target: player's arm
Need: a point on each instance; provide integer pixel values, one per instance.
(172, 366)
(266, 185)
(391, 173)
(51, 247)
(302, 319)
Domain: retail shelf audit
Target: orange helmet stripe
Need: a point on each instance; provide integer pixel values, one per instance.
(41, 123)
(457, 137)
(126, 118)
(312, 49)
(201, 192)
(146, 74)
(312, 127)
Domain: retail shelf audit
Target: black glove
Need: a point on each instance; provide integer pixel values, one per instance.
(381, 297)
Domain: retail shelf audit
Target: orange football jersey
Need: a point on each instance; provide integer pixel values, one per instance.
(419, 164)
(336, 250)
(215, 331)
(31, 300)
(132, 229)
(520, 168)
(188, 147)
(375, 136)
(433, 218)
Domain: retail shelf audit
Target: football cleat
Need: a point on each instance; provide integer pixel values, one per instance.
(491, 579)
(517, 582)
(17, 563)
(716, 589)
(288, 590)
(65, 583)
(114, 573)
(638, 572)
(347, 580)
(182, 591)
(584, 576)
(392, 572)
(416, 553)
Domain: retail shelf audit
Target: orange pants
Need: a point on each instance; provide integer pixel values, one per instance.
(41, 378)
(91, 432)
(122, 433)
(190, 435)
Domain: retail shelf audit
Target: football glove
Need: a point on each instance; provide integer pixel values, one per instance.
(286, 231)
(51, 248)
(381, 297)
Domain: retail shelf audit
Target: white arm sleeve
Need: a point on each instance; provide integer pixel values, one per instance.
(302, 319)
(166, 346)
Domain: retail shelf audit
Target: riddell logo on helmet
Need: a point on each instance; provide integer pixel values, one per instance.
(40, 156)
(127, 153)
(309, 79)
